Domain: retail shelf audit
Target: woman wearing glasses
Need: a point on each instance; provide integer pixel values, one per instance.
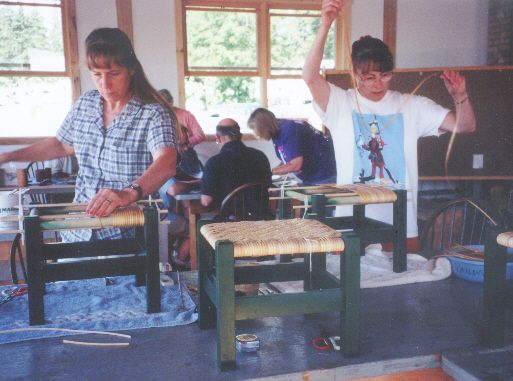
(373, 126)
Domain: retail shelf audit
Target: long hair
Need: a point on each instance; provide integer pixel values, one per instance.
(107, 46)
(263, 120)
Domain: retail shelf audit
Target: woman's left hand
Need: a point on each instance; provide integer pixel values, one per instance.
(455, 84)
(108, 200)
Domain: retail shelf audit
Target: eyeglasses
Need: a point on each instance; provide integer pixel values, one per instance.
(370, 79)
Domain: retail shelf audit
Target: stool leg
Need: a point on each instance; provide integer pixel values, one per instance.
(207, 310)
(151, 233)
(35, 281)
(285, 212)
(399, 258)
(359, 223)
(350, 294)
(494, 290)
(225, 286)
(140, 274)
(314, 274)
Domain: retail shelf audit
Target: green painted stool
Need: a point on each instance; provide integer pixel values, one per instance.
(138, 255)
(219, 244)
(496, 288)
(318, 198)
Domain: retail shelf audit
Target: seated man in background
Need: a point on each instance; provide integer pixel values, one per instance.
(234, 165)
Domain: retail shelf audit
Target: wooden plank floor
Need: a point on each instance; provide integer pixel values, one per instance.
(435, 374)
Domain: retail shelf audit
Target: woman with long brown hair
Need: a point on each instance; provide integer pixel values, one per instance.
(122, 134)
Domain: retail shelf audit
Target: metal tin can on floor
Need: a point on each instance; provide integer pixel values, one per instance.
(247, 342)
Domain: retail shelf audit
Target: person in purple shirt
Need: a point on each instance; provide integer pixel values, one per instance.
(302, 149)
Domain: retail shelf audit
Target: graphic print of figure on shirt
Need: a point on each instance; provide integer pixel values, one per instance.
(375, 146)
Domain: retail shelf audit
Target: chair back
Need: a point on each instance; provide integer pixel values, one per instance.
(32, 170)
(459, 222)
(248, 202)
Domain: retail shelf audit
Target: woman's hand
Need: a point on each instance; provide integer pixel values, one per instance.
(455, 84)
(330, 9)
(108, 200)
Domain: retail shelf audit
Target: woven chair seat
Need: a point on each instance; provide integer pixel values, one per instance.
(351, 194)
(259, 238)
(505, 239)
(373, 194)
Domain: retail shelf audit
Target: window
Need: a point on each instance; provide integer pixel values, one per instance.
(36, 75)
(243, 55)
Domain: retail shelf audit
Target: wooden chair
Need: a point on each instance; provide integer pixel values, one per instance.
(138, 256)
(497, 290)
(16, 249)
(248, 202)
(460, 222)
(32, 170)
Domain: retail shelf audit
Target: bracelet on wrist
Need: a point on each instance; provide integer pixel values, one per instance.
(462, 101)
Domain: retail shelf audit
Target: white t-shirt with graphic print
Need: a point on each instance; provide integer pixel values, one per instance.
(381, 138)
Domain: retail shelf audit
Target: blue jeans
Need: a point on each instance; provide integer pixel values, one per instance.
(168, 200)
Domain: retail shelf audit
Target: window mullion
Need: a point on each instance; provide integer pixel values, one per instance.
(70, 39)
(264, 50)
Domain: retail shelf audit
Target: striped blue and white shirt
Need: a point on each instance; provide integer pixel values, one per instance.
(115, 156)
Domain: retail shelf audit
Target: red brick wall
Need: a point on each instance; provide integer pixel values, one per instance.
(500, 32)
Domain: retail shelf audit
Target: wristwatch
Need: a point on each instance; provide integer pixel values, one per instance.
(137, 188)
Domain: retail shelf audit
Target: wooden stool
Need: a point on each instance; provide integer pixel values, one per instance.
(357, 195)
(496, 288)
(139, 256)
(220, 243)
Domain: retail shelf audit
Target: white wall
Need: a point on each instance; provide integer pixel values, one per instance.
(430, 33)
(367, 19)
(92, 14)
(155, 41)
(441, 33)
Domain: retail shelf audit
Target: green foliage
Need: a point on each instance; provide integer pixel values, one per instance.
(221, 90)
(227, 41)
(221, 39)
(22, 28)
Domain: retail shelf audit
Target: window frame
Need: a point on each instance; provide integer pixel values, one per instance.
(70, 45)
(263, 19)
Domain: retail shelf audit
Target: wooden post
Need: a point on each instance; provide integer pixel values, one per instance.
(124, 15)
(390, 25)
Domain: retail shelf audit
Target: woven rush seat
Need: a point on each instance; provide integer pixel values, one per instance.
(371, 194)
(505, 239)
(259, 238)
(351, 194)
